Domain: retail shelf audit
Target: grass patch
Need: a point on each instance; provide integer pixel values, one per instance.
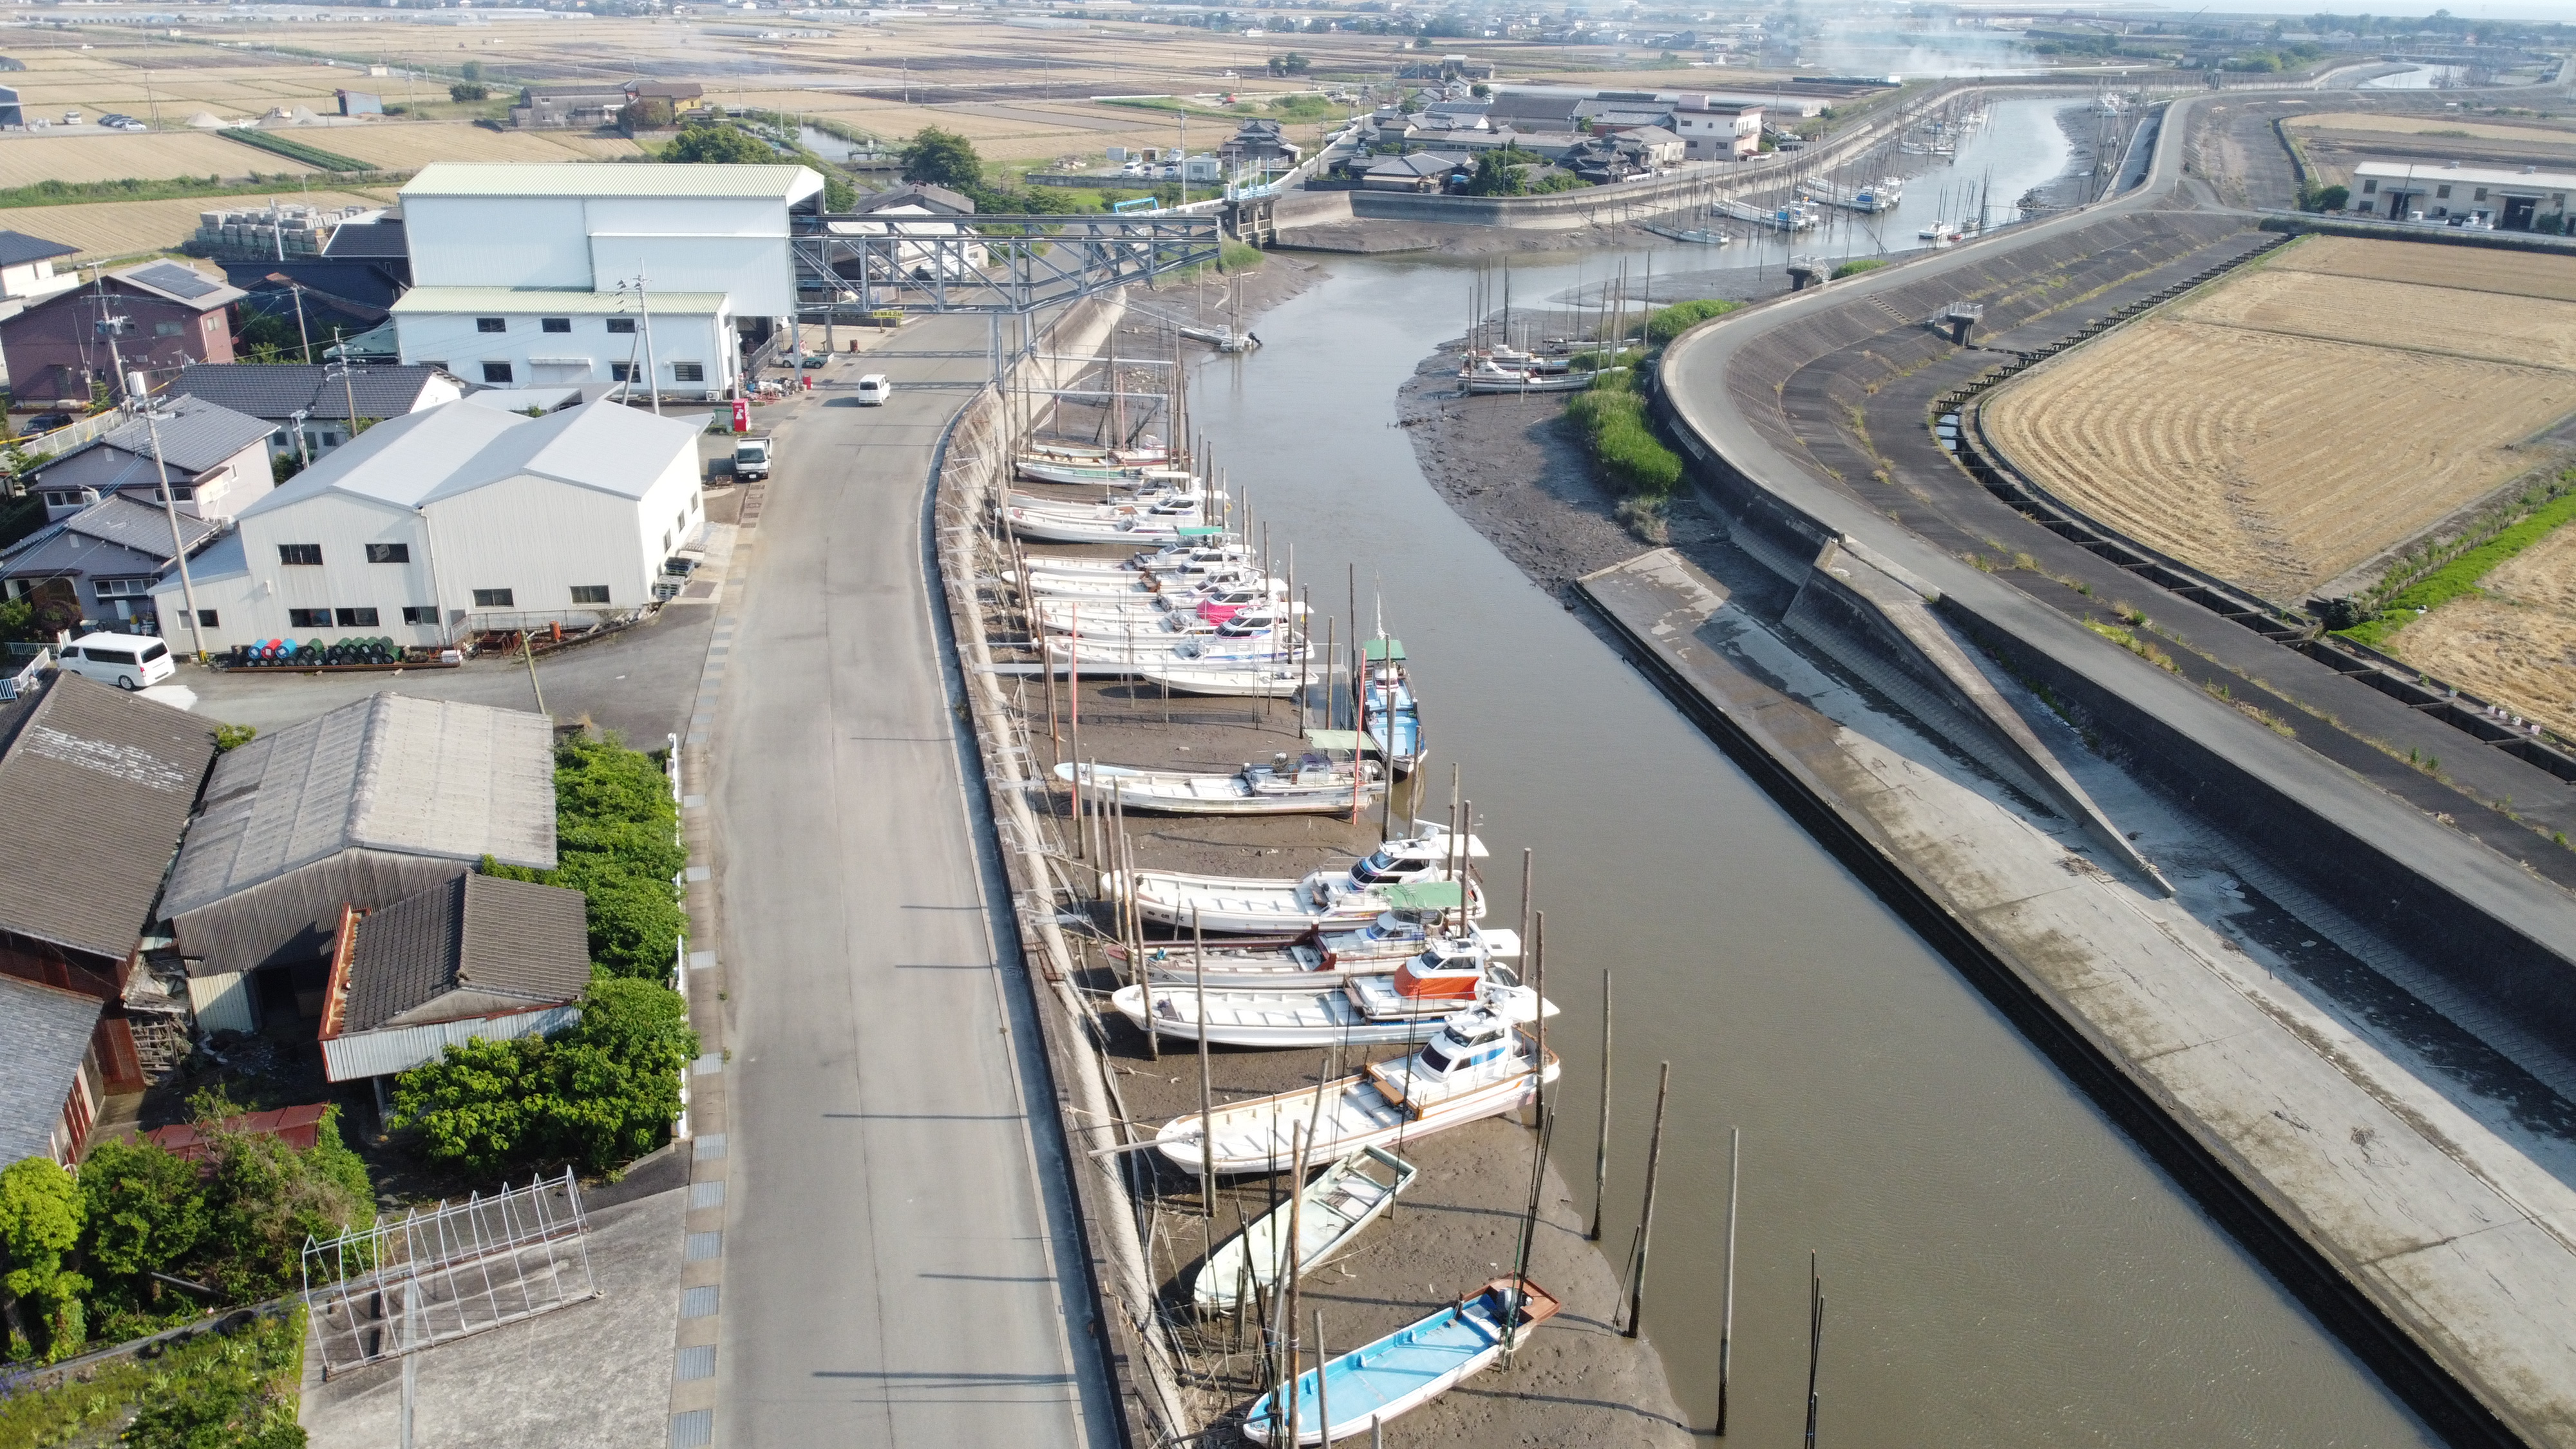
(2460, 576)
(1232, 256)
(1306, 108)
(1666, 323)
(239, 1388)
(160, 188)
(2131, 642)
(295, 150)
(1176, 104)
(1857, 266)
(1613, 419)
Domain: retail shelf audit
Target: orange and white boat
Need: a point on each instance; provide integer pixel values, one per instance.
(1408, 1004)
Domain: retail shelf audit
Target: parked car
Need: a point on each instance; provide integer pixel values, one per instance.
(128, 661)
(46, 423)
(873, 390)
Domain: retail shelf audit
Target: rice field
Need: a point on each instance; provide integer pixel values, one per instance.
(2514, 641)
(129, 228)
(27, 157)
(409, 145)
(2294, 421)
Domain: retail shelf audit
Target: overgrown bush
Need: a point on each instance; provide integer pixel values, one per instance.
(1666, 323)
(2461, 575)
(1856, 266)
(616, 842)
(598, 1094)
(234, 1390)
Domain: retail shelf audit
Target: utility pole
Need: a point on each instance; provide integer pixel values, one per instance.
(170, 507)
(348, 389)
(302, 333)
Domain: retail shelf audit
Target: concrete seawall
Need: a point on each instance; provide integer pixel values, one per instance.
(2436, 1248)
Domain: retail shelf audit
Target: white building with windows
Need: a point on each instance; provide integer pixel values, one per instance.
(452, 519)
(2486, 197)
(570, 273)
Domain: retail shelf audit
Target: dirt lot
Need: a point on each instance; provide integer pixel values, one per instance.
(2271, 430)
(2514, 642)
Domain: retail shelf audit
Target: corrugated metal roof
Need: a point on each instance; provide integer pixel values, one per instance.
(279, 390)
(44, 1033)
(96, 791)
(672, 180)
(550, 302)
(437, 778)
(364, 1054)
(475, 946)
(196, 434)
(457, 447)
(116, 522)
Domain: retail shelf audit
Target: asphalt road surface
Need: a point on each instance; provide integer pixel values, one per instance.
(899, 1254)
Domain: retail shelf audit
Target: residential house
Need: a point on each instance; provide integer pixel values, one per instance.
(1620, 111)
(581, 106)
(1715, 130)
(311, 406)
(103, 562)
(1259, 144)
(1655, 147)
(362, 807)
(1421, 171)
(473, 958)
(532, 272)
(1532, 111)
(27, 270)
(216, 460)
(458, 517)
(168, 315)
(105, 780)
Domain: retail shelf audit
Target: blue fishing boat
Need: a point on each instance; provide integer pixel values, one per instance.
(1388, 710)
(1404, 1370)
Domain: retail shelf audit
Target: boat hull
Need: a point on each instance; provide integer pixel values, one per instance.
(1297, 1019)
(1336, 1208)
(1401, 1372)
(1178, 793)
(1355, 1115)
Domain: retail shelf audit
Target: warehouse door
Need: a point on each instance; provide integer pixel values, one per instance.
(2517, 212)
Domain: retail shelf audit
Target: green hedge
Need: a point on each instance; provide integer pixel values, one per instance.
(598, 1094)
(617, 842)
(2460, 576)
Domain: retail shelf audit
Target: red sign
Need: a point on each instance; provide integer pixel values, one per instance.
(742, 415)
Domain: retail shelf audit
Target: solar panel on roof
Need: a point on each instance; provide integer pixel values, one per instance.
(175, 279)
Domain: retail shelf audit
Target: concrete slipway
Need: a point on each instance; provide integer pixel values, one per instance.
(2444, 1255)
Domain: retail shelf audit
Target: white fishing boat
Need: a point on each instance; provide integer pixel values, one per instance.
(1108, 522)
(1332, 1211)
(1252, 637)
(1485, 383)
(1200, 550)
(1312, 783)
(1401, 1372)
(1319, 900)
(1328, 958)
(1146, 451)
(1048, 470)
(1218, 679)
(1403, 1007)
(1135, 584)
(1696, 236)
(1209, 604)
(1135, 484)
(1479, 1065)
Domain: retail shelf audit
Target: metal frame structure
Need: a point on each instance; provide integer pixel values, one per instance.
(996, 264)
(391, 1288)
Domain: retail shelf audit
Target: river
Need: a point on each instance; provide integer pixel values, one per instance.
(2002, 1266)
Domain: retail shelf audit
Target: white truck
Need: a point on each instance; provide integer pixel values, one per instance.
(751, 455)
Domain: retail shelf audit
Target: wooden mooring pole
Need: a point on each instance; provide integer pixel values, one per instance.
(1646, 1214)
(1726, 1320)
(1207, 1097)
(1601, 1144)
(1815, 1342)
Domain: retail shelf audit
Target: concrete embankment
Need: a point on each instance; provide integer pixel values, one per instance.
(2442, 1254)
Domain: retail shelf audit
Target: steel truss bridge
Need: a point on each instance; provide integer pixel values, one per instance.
(849, 267)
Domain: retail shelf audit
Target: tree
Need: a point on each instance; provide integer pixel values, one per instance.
(471, 70)
(725, 145)
(1496, 174)
(40, 1221)
(266, 1198)
(145, 1207)
(468, 91)
(943, 158)
(598, 1094)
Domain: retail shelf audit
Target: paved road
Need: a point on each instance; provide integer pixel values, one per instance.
(892, 1270)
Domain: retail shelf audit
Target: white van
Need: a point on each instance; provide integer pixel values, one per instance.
(128, 661)
(873, 390)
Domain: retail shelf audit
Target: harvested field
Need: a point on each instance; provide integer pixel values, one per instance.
(2427, 264)
(2431, 126)
(2514, 641)
(128, 228)
(2274, 430)
(408, 146)
(29, 157)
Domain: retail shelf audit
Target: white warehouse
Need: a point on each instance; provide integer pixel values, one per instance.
(454, 518)
(566, 273)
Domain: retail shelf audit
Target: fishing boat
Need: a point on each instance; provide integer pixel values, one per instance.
(1697, 236)
(1226, 679)
(1137, 584)
(1403, 1371)
(1484, 383)
(1881, 195)
(1222, 339)
(1312, 783)
(1046, 470)
(1406, 1006)
(1327, 958)
(1144, 452)
(1199, 550)
(1251, 637)
(1210, 604)
(1319, 900)
(1479, 1064)
(1331, 1213)
(1389, 713)
(1794, 216)
(1108, 522)
(1132, 483)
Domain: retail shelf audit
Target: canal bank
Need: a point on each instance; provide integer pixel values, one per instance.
(2003, 1264)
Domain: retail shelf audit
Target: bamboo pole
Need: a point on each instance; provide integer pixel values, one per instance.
(1815, 1342)
(1323, 1410)
(1207, 1097)
(1288, 1259)
(1601, 1143)
(1726, 1320)
(1646, 1214)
